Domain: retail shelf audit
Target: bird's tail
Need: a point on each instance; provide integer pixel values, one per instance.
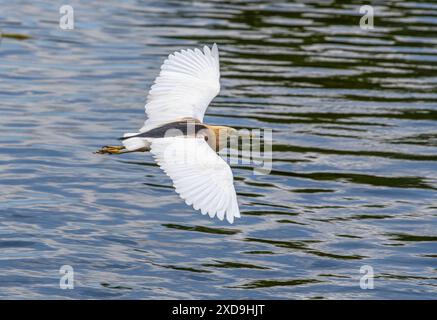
(132, 143)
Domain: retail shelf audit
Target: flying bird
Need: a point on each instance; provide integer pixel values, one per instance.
(174, 133)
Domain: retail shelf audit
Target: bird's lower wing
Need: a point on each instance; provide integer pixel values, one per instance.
(202, 178)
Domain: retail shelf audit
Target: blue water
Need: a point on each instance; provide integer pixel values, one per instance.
(354, 180)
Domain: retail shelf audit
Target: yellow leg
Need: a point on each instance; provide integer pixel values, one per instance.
(119, 150)
(111, 150)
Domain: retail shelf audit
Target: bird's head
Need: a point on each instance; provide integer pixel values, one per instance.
(217, 136)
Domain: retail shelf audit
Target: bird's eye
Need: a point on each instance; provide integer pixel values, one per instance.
(206, 138)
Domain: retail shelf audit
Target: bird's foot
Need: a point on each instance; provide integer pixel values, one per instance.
(111, 150)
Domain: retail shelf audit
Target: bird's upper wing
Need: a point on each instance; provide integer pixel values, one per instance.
(200, 176)
(187, 83)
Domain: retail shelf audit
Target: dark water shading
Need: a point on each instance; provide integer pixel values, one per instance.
(410, 237)
(275, 283)
(109, 286)
(202, 229)
(354, 121)
(15, 36)
(186, 269)
(230, 264)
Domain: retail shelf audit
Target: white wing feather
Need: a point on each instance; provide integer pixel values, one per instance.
(187, 83)
(200, 176)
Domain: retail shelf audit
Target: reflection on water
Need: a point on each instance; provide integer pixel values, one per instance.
(354, 174)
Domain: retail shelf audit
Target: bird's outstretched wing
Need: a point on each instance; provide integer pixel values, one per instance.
(200, 176)
(187, 83)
